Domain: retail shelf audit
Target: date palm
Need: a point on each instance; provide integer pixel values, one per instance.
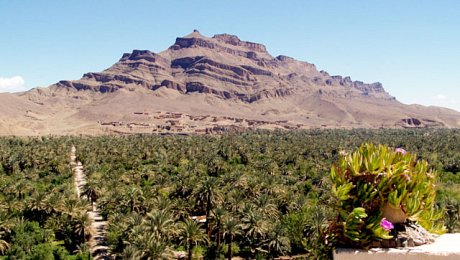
(21, 187)
(218, 215)
(231, 228)
(255, 226)
(90, 192)
(266, 207)
(277, 242)
(6, 222)
(145, 245)
(134, 196)
(54, 202)
(131, 253)
(82, 249)
(38, 205)
(82, 226)
(209, 194)
(72, 206)
(161, 223)
(157, 249)
(235, 199)
(191, 234)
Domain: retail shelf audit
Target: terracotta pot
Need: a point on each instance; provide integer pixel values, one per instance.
(394, 215)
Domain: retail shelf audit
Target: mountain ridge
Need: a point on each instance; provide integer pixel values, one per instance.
(208, 85)
(255, 62)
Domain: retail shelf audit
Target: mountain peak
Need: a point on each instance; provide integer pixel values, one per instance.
(195, 34)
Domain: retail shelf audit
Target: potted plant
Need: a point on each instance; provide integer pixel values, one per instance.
(384, 198)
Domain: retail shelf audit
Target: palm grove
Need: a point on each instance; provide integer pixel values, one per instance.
(261, 194)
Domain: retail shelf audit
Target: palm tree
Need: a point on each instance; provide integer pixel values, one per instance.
(255, 226)
(191, 235)
(38, 204)
(266, 207)
(218, 215)
(13, 206)
(277, 242)
(6, 222)
(209, 194)
(160, 222)
(157, 248)
(82, 250)
(82, 226)
(235, 199)
(134, 196)
(90, 192)
(20, 188)
(134, 219)
(54, 202)
(145, 245)
(131, 253)
(316, 230)
(231, 228)
(72, 206)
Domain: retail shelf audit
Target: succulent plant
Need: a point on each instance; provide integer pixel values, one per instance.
(377, 187)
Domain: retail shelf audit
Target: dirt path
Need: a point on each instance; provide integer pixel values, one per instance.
(98, 242)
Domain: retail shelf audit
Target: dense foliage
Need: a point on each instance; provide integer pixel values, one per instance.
(263, 194)
(40, 216)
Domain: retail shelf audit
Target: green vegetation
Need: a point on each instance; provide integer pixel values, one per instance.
(263, 194)
(40, 216)
(377, 187)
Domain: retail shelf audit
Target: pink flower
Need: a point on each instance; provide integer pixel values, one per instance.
(400, 150)
(387, 225)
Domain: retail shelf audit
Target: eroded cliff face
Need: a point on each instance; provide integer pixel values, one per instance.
(223, 66)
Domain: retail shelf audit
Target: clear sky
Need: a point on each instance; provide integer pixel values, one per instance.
(412, 47)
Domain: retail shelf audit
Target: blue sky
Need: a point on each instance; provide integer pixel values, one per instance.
(412, 47)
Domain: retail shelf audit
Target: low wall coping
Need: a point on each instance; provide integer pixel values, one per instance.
(445, 247)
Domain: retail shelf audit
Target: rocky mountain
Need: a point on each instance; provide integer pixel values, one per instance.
(209, 85)
(223, 66)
